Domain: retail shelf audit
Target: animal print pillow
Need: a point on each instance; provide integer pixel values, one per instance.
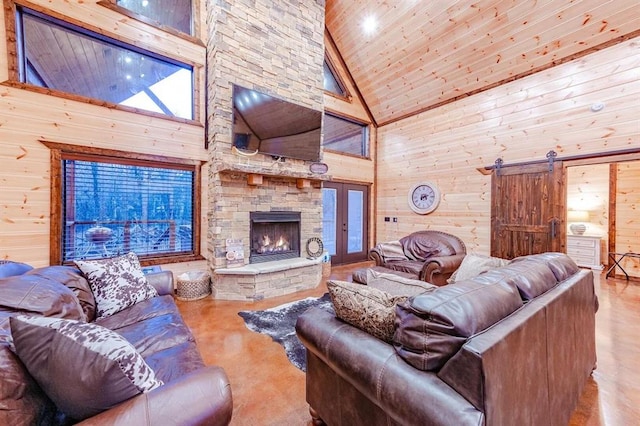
(116, 283)
(367, 308)
(82, 367)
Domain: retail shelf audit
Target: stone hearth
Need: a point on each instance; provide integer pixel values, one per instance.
(257, 281)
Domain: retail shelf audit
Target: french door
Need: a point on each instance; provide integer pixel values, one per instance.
(345, 224)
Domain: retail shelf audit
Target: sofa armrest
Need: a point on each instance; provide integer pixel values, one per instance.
(437, 270)
(200, 398)
(385, 252)
(162, 282)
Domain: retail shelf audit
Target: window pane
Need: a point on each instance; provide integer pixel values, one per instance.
(331, 83)
(172, 13)
(111, 209)
(345, 136)
(82, 63)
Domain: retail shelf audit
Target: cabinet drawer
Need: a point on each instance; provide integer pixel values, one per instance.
(575, 242)
(579, 251)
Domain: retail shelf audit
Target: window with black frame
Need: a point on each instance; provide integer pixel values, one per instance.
(112, 207)
(345, 136)
(176, 14)
(57, 55)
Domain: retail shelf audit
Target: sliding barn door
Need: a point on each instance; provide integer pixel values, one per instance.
(527, 210)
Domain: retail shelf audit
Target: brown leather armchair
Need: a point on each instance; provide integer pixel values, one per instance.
(431, 256)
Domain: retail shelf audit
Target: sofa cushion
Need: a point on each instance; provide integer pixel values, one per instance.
(9, 268)
(407, 266)
(532, 277)
(38, 295)
(83, 368)
(367, 308)
(474, 264)
(397, 285)
(73, 279)
(117, 283)
(432, 326)
(22, 401)
(560, 264)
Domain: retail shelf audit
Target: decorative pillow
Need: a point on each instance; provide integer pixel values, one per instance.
(397, 285)
(367, 308)
(84, 368)
(116, 283)
(474, 264)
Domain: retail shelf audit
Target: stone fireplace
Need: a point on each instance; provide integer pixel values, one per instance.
(278, 51)
(274, 236)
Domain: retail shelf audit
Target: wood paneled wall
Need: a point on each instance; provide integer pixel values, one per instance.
(628, 215)
(27, 117)
(518, 121)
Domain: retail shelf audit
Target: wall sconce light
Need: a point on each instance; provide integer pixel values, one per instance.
(575, 218)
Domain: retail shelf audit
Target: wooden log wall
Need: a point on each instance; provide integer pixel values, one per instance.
(27, 117)
(518, 121)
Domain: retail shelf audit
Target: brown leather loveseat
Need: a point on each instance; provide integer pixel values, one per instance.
(430, 256)
(512, 346)
(192, 393)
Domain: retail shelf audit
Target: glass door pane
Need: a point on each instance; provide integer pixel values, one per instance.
(329, 219)
(355, 220)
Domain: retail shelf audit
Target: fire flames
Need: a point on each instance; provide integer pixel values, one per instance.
(267, 246)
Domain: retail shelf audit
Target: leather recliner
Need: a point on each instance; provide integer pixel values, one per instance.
(431, 256)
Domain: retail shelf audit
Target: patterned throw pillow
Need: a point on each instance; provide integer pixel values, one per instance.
(116, 283)
(83, 368)
(367, 308)
(474, 264)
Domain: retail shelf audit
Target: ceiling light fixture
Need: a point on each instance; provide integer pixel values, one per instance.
(370, 24)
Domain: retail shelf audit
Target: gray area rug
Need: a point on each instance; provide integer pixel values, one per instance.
(280, 322)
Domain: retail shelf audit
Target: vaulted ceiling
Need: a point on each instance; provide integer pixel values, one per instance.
(422, 54)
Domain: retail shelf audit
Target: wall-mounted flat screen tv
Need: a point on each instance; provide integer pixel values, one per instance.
(275, 127)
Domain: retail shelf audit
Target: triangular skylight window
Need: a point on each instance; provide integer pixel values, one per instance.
(331, 81)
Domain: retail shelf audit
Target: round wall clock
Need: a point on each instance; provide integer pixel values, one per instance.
(424, 197)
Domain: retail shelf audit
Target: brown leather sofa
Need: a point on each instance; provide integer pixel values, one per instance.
(430, 256)
(192, 393)
(512, 346)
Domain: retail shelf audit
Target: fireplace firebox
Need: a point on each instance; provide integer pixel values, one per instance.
(274, 235)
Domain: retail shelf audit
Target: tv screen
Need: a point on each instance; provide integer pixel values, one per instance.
(275, 127)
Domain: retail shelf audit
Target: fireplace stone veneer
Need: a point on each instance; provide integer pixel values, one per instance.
(259, 281)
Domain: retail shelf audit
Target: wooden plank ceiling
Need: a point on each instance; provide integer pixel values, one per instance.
(426, 53)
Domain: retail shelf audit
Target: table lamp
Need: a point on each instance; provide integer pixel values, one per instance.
(575, 218)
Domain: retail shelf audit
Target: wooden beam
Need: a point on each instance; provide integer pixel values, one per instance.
(253, 179)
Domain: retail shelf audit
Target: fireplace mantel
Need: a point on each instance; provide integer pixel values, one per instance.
(226, 167)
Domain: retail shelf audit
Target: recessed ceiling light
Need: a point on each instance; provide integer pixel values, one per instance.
(370, 24)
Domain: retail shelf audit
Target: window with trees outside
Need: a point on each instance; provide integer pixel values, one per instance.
(345, 136)
(66, 58)
(111, 206)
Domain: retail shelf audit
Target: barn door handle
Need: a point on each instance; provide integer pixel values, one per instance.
(553, 228)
